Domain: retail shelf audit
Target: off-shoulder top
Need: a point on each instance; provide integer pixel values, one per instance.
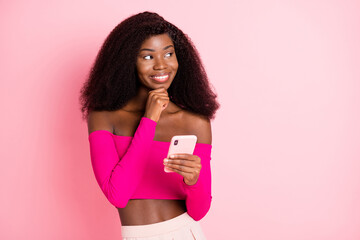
(128, 167)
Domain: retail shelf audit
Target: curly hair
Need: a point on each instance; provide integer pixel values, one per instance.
(113, 79)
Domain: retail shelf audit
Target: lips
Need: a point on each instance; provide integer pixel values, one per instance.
(161, 77)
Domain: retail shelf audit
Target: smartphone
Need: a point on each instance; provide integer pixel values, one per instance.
(181, 144)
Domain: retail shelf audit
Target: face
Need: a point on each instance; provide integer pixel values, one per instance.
(156, 62)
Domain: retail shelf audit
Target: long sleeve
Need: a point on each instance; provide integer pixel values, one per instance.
(198, 196)
(118, 178)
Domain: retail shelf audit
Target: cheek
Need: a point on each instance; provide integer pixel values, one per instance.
(141, 68)
(175, 65)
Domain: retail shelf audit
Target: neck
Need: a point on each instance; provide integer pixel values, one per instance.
(138, 103)
(140, 99)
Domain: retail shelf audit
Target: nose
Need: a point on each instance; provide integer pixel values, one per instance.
(160, 64)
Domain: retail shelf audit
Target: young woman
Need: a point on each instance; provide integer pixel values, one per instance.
(147, 85)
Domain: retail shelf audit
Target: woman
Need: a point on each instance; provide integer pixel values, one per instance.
(147, 85)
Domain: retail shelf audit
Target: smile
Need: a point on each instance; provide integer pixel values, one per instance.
(160, 77)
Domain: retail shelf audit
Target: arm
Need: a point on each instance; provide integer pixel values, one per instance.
(198, 196)
(118, 178)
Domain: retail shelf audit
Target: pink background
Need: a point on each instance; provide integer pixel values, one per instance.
(286, 140)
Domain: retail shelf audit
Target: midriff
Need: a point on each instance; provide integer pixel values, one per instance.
(148, 211)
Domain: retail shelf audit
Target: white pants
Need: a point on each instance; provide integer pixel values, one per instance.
(182, 227)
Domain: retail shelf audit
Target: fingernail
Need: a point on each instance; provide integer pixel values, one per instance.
(172, 156)
(166, 160)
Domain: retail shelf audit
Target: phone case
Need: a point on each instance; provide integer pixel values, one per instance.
(181, 144)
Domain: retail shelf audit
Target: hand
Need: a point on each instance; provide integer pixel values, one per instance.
(187, 165)
(158, 100)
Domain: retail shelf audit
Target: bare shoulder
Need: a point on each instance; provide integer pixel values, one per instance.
(99, 120)
(200, 126)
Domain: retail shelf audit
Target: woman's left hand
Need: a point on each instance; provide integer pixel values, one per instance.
(187, 165)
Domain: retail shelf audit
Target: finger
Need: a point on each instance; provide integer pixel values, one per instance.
(164, 98)
(184, 174)
(183, 156)
(159, 95)
(180, 168)
(183, 162)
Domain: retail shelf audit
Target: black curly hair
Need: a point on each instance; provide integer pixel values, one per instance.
(113, 79)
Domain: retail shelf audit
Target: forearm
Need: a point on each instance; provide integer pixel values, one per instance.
(198, 196)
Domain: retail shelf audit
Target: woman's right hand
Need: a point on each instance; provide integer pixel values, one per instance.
(158, 100)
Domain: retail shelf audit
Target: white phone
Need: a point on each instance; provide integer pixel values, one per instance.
(181, 144)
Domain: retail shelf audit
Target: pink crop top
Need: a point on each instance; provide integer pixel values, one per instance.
(128, 167)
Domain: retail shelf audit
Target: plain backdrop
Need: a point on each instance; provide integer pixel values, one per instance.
(286, 140)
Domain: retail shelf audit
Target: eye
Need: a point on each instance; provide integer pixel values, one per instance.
(169, 54)
(148, 57)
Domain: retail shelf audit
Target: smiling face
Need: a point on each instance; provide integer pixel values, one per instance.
(156, 62)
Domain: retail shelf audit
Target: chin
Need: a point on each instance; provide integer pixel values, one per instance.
(165, 85)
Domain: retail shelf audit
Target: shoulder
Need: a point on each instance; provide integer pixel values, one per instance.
(99, 120)
(200, 126)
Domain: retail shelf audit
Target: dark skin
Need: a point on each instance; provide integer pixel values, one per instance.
(156, 62)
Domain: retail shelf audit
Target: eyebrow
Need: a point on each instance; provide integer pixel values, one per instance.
(152, 50)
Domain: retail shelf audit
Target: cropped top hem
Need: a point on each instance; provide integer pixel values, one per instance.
(159, 197)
